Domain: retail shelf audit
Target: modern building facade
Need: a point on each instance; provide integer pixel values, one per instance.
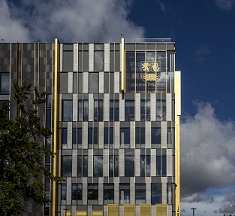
(114, 110)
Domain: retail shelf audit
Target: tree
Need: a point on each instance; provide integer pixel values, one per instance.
(22, 153)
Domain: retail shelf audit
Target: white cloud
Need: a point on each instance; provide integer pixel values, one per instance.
(162, 5)
(208, 153)
(225, 4)
(71, 21)
(202, 53)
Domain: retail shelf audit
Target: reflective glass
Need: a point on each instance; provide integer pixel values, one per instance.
(79, 165)
(140, 83)
(130, 71)
(63, 191)
(76, 191)
(4, 83)
(142, 165)
(156, 193)
(66, 166)
(163, 165)
(140, 193)
(116, 166)
(139, 137)
(124, 137)
(114, 110)
(108, 193)
(129, 110)
(79, 138)
(156, 137)
(110, 165)
(85, 166)
(92, 194)
(124, 193)
(85, 110)
(98, 166)
(64, 138)
(129, 166)
(148, 165)
(158, 166)
(67, 110)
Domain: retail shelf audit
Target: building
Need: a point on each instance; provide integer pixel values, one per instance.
(114, 109)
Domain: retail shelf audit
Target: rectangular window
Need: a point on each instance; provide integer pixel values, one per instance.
(108, 137)
(108, 193)
(156, 193)
(142, 110)
(148, 110)
(148, 165)
(67, 110)
(145, 166)
(66, 166)
(116, 166)
(79, 138)
(90, 137)
(124, 137)
(85, 110)
(161, 110)
(4, 83)
(80, 110)
(64, 138)
(142, 165)
(79, 165)
(76, 191)
(111, 166)
(63, 191)
(156, 137)
(99, 60)
(74, 138)
(124, 193)
(129, 110)
(92, 193)
(161, 165)
(139, 137)
(114, 110)
(85, 166)
(129, 166)
(98, 166)
(140, 193)
(98, 110)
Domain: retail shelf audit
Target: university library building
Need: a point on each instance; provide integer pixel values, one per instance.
(114, 112)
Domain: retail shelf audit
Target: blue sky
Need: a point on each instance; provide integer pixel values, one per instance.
(204, 32)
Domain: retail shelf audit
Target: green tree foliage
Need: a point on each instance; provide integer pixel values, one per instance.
(22, 153)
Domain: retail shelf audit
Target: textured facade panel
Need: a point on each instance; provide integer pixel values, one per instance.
(70, 82)
(153, 106)
(75, 107)
(148, 134)
(101, 135)
(91, 57)
(164, 134)
(116, 82)
(153, 162)
(100, 192)
(121, 162)
(132, 135)
(85, 135)
(169, 162)
(106, 162)
(69, 138)
(69, 186)
(137, 107)
(164, 193)
(132, 190)
(169, 107)
(116, 135)
(106, 107)
(85, 82)
(101, 82)
(75, 57)
(137, 162)
(106, 56)
(61, 57)
(90, 162)
(91, 107)
(74, 163)
(116, 191)
(84, 191)
(121, 108)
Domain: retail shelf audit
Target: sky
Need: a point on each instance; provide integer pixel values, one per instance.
(204, 32)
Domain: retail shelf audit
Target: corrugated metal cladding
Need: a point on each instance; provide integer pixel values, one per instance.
(115, 148)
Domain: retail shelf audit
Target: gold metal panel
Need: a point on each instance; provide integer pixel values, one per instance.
(161, 210)
(67, 213)
(55, 99)
(129, 209)
(177, 84)
(145, 210)
(97, 213)
(113, 210)
(123, 65)
(81, 213)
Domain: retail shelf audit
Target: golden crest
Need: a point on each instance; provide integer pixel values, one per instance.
(151, 71)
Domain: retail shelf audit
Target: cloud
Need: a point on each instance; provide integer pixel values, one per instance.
(225, 4)
(228, 208)
(208, 153)
(197, 197)
(71, 21)
(202, 53)
(161, 5)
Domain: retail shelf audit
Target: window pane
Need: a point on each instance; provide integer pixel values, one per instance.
(85, 166)
(79, 166)
(90, 135)
(80, 110)
(66, 166)
(148, 114)
(139, 137)
(124, 193)
(92, 194)
(63, 191)
(142, 165)
(111, 166)
(74, 138)
(76, 191)
(158, 165)
(142, 110)
(124, 137)
(129, 166)
(67, 110)
(4, 83)
(108, 193)
(64, 138)
(79, 138)
(111, 137)
(148, 166)
(129, 110)
(85, 110)
(156, 193)
(99, 61)
(163, 165)
(156, 137)
(116, 166)
(140, 193)
(98, 166)
(95, 139)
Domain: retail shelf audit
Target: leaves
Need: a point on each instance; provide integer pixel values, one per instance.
(22, 155)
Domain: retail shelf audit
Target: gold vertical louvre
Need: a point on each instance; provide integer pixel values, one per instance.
(129, 209)
(67, 213)
(145, 210)
(161, 210)
(123, 66)
(177, 85)
(113, 210)
(55, 110)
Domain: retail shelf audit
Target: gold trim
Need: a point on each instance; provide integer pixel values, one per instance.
(177, 85)
(123, 69)
(55, 110)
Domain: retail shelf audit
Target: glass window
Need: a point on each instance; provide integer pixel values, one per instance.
(140, 83)
(98, 166)
(130, 71)
(158, 166)
(67, 110)
(156, 193)
(169, 193)
(63, 191)
(90, 136)
(124, 137)
(156, 137)
(148, 113)
(96, 135)
(161, 110)
(129, 166)
(92, 194)
(85, 110)
(4, 83)
(114, 110)
(124, 193)
(140, 193)
(79, 138)
(76, 191)
(98, 110)
(142, 165)
(99, 60)
(74, 138)
(66, 166)
(85, 166)
(80, 110)
(139, 137)
(93, 82)
(129, 110)
(148, 166)
(116, 166)
(108, 137)
(142, 110)
(49, 100)
(64, 138)
(110, 165)
(79, 166)
(145, 166)
(48, 118)
(163, 165)
(108, 193)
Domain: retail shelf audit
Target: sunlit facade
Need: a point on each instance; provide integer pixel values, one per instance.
(114, 110)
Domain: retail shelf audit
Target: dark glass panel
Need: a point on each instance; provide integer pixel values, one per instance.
(76, 191)
(108, 193)
(98, 166)
(129, 166)
(129, 110)
(67, 110)
(124, 193)
(140, 193)
(156, 193)
(66, 166)
(124, 137)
